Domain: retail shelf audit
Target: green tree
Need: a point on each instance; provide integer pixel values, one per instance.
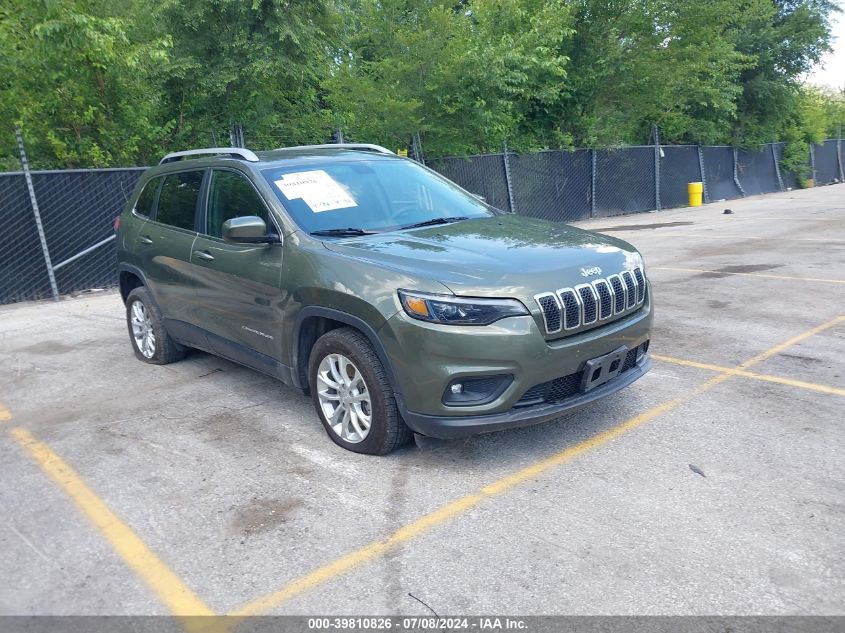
(78, 84)
(466, 76)
(814, 115)
(638, 63)
(783, 40)
(97, 82)
(260, 64)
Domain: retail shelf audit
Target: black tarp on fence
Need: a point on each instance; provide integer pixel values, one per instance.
(756, 171)
(482, 175)
(827, 165)
(77, 209)
(719, 173)
(78, 206)
(679, 166)
(553, 185)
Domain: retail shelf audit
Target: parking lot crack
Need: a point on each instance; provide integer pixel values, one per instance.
(32, 546)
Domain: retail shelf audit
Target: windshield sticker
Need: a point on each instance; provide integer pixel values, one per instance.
(317, 189)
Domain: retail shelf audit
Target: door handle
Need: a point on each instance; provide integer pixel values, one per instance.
(204, 255)
(145, 240)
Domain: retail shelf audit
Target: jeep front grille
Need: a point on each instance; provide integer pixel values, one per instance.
(599, 301)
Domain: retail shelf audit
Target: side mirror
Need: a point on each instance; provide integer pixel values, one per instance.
(248, 229)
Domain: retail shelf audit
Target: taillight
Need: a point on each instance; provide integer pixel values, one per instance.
(117, 224)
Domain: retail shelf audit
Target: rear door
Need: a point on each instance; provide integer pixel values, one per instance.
(238, 286)
(165, 243)
(130, 249)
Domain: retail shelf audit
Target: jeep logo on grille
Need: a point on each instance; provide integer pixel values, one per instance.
(589, 272)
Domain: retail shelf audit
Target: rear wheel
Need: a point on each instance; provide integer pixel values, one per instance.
(352, 395)
(150, 340)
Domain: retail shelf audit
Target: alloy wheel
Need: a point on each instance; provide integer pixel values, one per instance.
(344, 398)
(142, 330)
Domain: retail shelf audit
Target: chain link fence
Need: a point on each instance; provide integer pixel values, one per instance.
(826, 166)
(574, 185)
(76, 208)
(679, 165)
(483, 175)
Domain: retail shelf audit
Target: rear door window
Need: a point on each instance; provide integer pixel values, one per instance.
(177, 202)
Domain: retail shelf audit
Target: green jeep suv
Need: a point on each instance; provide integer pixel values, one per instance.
(398, 300)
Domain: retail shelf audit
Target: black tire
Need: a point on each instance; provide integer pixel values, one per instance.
(166, 350)
(387, 429)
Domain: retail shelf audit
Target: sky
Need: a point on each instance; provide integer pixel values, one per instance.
(831, 72)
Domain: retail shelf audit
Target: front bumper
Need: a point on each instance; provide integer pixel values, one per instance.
(451, 427)
(426, 357)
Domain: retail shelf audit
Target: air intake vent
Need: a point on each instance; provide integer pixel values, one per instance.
(589, 301)
(618, 289)
(631, 289)
(638, 275)
(565, 387)
(605, 298)
(551, 312)
(571, 309)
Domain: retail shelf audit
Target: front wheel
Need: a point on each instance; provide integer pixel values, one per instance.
(352, 394)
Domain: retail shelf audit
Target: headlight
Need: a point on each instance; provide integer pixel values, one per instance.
(452, 310)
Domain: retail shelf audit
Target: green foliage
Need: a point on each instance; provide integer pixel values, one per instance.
(464, 76)
(644, 62)
(100, 83)
(259, 63)
(814, 116)
(783, 39)
(77, 83)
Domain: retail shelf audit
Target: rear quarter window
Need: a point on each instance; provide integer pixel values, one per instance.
(145, 202)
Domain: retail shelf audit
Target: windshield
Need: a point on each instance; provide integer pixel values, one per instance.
(376, 195)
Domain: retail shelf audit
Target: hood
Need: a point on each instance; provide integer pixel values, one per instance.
(502, 256)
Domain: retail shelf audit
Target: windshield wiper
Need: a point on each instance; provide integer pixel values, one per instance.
(347, 232)
(434, 222)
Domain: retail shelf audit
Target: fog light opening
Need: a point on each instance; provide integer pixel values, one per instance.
(469, 391)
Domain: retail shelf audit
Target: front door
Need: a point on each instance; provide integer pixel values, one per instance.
(238, 286)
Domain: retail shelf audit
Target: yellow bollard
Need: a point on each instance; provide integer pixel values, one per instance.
(695, 191)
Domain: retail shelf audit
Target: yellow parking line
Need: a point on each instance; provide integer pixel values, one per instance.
(425, 524)
(183, 602)
(430, 521)
(5, 414)
(373, 550)
(764, 275)
(750, 374)
(777, 349)
(167, 586)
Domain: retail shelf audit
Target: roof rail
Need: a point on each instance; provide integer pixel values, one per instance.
(364, 147)
(233, 152)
